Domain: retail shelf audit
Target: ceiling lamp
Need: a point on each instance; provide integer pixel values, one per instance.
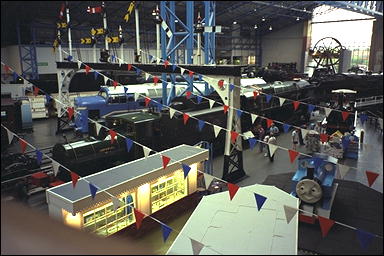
(255, 27)
(297, 18)
(270, 28)
(234, 22)
(263, 19)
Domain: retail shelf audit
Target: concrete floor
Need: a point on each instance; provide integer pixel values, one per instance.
(257, 168)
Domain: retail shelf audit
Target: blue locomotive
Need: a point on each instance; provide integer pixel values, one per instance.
(314, 181)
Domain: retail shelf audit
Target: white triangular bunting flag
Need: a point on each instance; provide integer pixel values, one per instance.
(196, 246)
(116, 203)
(171, 113)
(55, 166)
(208, 179)
(272, 148)
(289, 213)
(146, 76)
(327, 111)
(98, 127)
(136, 95)
(211, 102)
(253, 117)
(281, 101)
(343, 170)
(78, 64)
(182, 70)
(158, 60)
(216, 129)
(146, 151)
(105, 80)
(304, 132)
(10, 136)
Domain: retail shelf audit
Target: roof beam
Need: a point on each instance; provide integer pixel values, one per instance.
(372, 8)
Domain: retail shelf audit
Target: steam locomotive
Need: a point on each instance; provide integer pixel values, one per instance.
(314, 184)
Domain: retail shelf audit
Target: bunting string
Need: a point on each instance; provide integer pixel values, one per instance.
(181, 163)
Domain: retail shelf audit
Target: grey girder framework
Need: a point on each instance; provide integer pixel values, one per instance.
(233, 159)
(373, 8)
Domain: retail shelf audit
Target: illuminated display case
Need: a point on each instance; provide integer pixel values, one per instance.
(105, 221)
(168, 190)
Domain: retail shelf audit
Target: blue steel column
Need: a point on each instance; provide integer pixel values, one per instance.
(209, 38)
(163, 43)
(189, 14)
(172, 25)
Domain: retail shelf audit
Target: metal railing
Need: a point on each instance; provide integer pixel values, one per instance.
(362, 102)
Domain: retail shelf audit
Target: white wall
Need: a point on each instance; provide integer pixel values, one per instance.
(10, 56)
(285, 45)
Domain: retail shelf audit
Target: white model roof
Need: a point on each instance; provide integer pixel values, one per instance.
(236, 227)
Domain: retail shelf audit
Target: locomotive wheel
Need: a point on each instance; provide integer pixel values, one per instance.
(309, 190)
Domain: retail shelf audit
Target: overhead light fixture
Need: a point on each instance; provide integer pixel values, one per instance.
(176, 21)
(255, 9)
(270, 27)
(255, 27)
(297, 18)
(263, 19)
(234, 22)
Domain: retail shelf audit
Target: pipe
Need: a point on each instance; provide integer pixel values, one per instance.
(69, 32)
(60, 52)
(158, 52)
(137, 34)
(199, 48)
(105, 26)
(121, 46)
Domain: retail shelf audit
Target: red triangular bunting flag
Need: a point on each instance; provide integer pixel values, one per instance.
(191, 73)
(345, 115)
(74, 178)
(296, 104)
(185, 118)
(325, 225)
(165, 161)
(129, 67)
(87, 69)
(221, 83)
(35, 90)
(23, 145)
(166, 62)
(232, 188)
(292, 155)
(269, 122)
(371, 176)
(147, 100)
(114, 83)
(234, 136)
(6, 69)
(225, 109)
(255, 94)
(155, 79)
(188, 94)
(70, 112)
(113, 135)
(323, 137)
(139, 216)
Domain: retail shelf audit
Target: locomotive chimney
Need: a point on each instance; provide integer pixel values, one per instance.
(310, 172)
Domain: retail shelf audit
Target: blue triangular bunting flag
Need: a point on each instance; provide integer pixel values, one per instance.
(200, 77)
(47, 98)
(173, 67)
(364, 238)
(286, 127)
(252, 143)
(239, 112)
(39, 156)
(129, 144)
(231, 87)
(15, 76)
(166, 231)
(70, 58)
(201, 125)
(186, 169)
(113, 58)
(363, 118)
(95, 75)
(138, 71)
(125, 89)
(268, 97)
(260, 200)
(310, 108)
(160, 106)
(199, 98)
(150, 58)
(93, 189)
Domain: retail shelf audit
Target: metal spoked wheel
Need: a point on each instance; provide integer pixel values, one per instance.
(327, 52)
